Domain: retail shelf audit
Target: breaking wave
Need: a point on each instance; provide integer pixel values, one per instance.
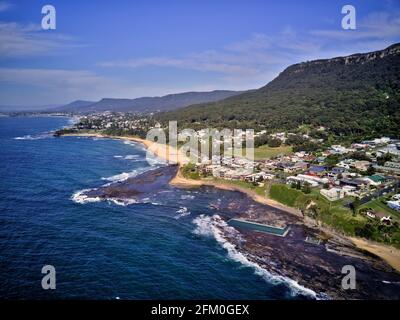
(137, 145)
(187, 197)
(214, 226)
(131, 156)
(122, 202)
(182, 212)
(35, 137)
(125, 175)
(81, 198)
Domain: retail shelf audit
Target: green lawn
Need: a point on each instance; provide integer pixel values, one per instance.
(243, 184)
(265, 152)
(377, 205)
(284, 194)
(333, 214)
(336, 215)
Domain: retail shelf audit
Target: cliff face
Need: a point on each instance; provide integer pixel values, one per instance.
(358, 58)
(356, 67)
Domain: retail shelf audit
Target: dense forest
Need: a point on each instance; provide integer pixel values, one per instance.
(356, 97)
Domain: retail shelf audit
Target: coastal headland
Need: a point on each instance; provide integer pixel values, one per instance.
(389, 254)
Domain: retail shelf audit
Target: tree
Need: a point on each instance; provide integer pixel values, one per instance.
(382, 159)
(354, 205)
(332, 160)
(366, 232)
(274, 143)
(370, 171)
(306, 188)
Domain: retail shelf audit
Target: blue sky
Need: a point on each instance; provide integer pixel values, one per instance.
(129, 49)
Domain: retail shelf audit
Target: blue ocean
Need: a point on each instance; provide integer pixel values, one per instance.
(162, 247)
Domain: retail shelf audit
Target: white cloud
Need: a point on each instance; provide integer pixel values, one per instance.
(375, 26)
(241, 65)
(5, 6)
(249, 62)
(259, 58)
(18, 40)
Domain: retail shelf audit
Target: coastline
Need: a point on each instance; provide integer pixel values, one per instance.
(181, 181)
(389, 254)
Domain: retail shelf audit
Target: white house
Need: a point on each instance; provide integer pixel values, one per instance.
(333, 194)
(302, 180)
(394, 205)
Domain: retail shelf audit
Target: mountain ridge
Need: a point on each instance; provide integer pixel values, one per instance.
(354, 95)
(147, 104)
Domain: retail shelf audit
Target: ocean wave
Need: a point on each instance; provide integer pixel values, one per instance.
(187, 197)
(135, 144)
(182, 212)
(81, 198)
(214, 226)
(128, 142)
(128, 157)
(125, 175)
(154, 160)
(131, 156)
(122, 202)
(35, 137)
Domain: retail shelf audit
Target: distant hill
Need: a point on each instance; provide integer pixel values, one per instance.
(74, 106)
(357, 95)
(148, 104)
(32, 108)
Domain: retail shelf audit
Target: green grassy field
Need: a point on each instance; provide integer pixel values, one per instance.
(377, 205)
(265, 152)
(243, 184)
(285, 194)
(331, 213)
(341, 218)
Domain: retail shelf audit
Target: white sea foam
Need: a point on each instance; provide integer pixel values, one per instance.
(122, 202)
(128, 142)
(151, 158)
(182, 212)
(34, 137)
(128, 157)
(131, 156)
(154, 161)
(82, 198)
(125, 175)
(187, 197)
(137, 145)
(214, 226)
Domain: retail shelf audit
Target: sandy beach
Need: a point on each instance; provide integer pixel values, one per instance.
(389, 254)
